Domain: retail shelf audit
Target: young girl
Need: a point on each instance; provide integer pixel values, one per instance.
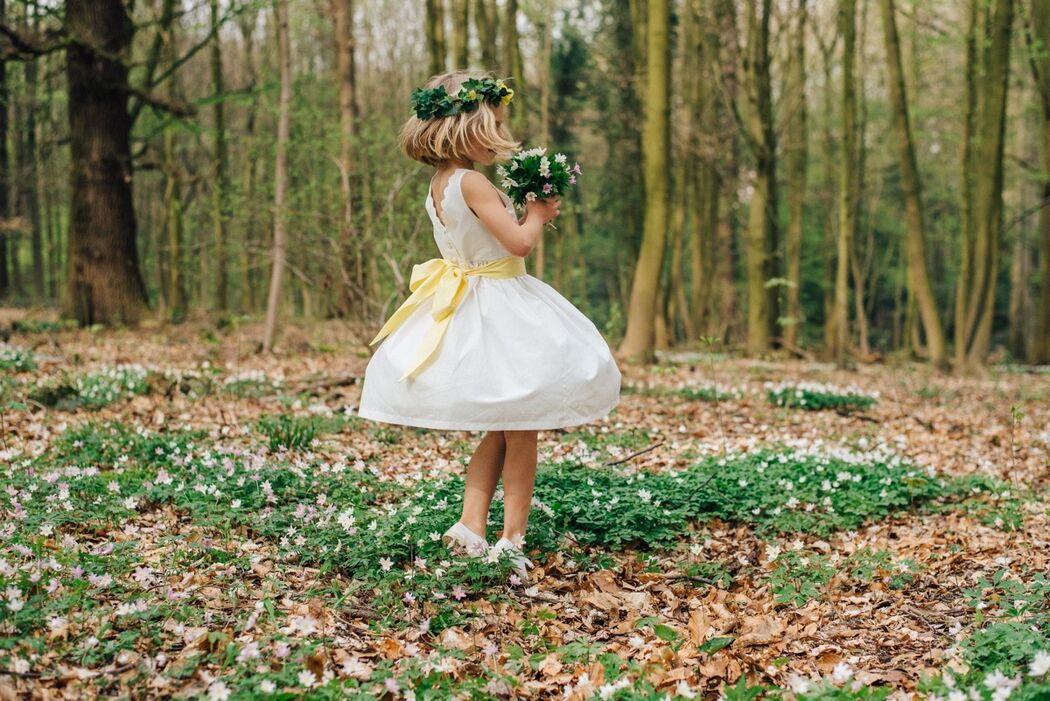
(481, 345)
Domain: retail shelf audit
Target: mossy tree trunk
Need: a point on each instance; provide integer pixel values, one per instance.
(915, 238)
(638, 340)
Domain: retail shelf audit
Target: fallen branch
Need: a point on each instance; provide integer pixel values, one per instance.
(635, 454)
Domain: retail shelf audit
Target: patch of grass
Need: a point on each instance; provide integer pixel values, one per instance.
(42, 326)
(251, 384)
(1010, 645)
(812, 396)
(16, 359)
(286, 432)
(798, 577)
(709, 393)
(631, 439)
(92, 390)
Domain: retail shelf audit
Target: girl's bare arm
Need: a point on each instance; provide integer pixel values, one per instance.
(517, 237)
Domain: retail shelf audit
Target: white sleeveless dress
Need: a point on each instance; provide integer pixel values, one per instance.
(516, 354)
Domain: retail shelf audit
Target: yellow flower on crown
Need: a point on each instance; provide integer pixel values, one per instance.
(472, 95)
(508, 97)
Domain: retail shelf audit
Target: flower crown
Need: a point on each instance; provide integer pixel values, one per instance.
(436, 102)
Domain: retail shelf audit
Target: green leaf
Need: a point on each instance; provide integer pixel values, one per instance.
(715, 644)
(665, 632)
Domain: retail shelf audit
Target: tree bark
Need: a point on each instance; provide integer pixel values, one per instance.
(918, 269)
(220, 183)
(637, 344)
(828, 188)
(5, 166)
(847, 207)
(460, 33)
(104, 284)
(1039, 60)
(346, 79)
(486, 22)
(546, 40)
(435, 33)
(974, 337)
(514, 67)
(249, 294)
(761, 247)
(795, 160)
(280, 175)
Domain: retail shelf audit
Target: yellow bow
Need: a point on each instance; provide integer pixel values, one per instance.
(446, 281)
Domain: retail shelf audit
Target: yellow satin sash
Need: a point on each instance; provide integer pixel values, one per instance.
(446, 282)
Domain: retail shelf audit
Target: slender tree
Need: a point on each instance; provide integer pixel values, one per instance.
(514, 67)
(486, 21)
(795, 161)
(5, 172)
(175, 298)
(27, 181)
(918, 270)
(760, 138)
(284, 54)
(546, 42)
(638, 340)
(220, 167)
(346, 79)
(437, 50)
(460, 32)
(973, 336)
(1039, 60)
(847, 212)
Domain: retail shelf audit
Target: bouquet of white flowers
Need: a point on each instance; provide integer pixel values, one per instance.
(533, 175)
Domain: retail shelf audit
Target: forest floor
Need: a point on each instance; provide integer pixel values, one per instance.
(184, 517)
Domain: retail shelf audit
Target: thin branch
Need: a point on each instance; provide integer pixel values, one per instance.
(173, 107)
(25, 45)
(635, 454)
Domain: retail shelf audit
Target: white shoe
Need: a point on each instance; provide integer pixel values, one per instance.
(517, 557)
(460, 535)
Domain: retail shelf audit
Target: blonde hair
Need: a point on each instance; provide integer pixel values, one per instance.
(433, 141)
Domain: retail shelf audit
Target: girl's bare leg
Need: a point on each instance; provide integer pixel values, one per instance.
(519, 477)
(483, 473)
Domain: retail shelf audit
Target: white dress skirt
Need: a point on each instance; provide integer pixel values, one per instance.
(516, 354)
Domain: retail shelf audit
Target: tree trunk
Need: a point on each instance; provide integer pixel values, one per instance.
(723, 153)
(795, 158)
(974, 337)
(761, 247)
(485, 20)
(346, 79)
(515, 68)
(28, 170)
(220, 183)
(5, 166)
(675, 305)
(828, 187)
(104, 282)
(847, 207)
(435, 33)
(175, 290)
(175, 299)
(1039, 59)
(638, 340)
(249, 296)
(280, 174)
(966, 173)
(546, 34)
(918, 269)
(460, 33)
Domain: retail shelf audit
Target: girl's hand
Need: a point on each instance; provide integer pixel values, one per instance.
(546, 209)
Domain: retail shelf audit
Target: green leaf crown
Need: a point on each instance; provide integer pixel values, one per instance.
(436, 102)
